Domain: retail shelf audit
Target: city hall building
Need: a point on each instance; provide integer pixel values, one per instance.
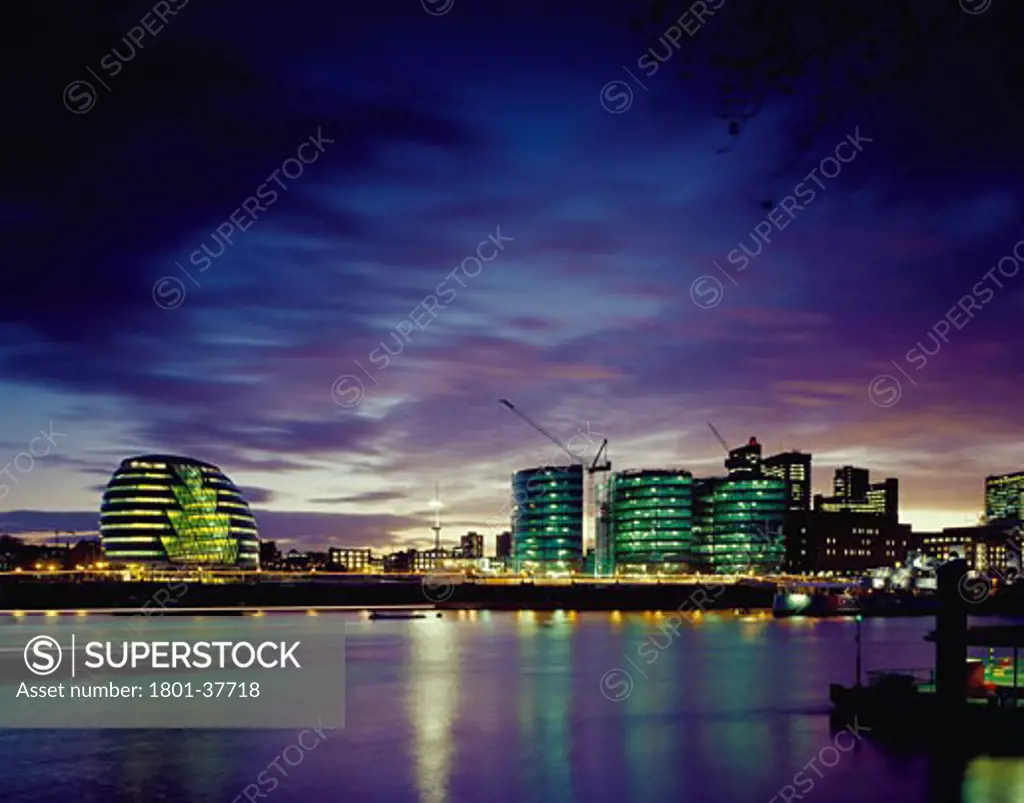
(170, 510)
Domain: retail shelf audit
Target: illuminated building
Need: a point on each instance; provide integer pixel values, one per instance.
(795, 469)
(651, 517)
(738, 518)
(1003, 496)
(349, 560)
(745, 459)
(547, 518)
(843, 541)
(993, 548)
(163, 509)
(740, 530)
(853, 491)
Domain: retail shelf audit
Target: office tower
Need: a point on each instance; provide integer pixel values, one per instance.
(547, 518)
(745, 459)
(738, 518)
(855, 493)
(850, 483)
(651, 520)
(503, 545)
(1004, 494)
(795, 469)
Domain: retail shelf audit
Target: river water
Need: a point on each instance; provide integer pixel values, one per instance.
(524, 706)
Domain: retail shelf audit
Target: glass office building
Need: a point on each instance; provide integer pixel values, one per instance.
(652, 521)
(164, 509)
(547, 518)
(739, 525)
(1004, 495)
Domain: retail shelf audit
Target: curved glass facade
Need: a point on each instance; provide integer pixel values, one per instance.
(652, 520)
(167, 509)
(547, 520)
(740, 525)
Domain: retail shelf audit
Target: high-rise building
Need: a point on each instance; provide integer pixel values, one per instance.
(850, 483)
(738, 519)
(651, 520)
(744, 536)
(547, 518)
(471, 546)
(795, 469)
(854, 492)
(503, 545)
(745, 459)
(166, 509)
(1004, 496)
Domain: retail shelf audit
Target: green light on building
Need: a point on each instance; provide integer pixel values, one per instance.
(175, 510)
(547, 519)
(738, 522)
(652, 521)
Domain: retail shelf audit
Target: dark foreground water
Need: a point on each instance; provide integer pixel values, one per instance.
(536, 707)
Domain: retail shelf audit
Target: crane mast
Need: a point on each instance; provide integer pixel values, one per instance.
(595, 524)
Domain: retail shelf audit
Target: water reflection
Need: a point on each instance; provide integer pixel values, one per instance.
(994, 780)
(431, 700)
(545, 691)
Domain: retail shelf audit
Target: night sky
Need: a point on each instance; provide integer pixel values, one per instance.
(620, 301)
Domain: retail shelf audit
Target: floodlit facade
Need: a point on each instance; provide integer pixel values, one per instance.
(740, 525)
(547, 518)
(1004, 494)
(738, 518)
(165, 509)
(651, 518)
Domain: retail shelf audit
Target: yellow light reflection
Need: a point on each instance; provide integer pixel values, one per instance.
(431, 701)
(989, 779)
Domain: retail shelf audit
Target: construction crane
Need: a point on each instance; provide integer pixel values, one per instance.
(718, 435)
(601, 505)
(592, 506)
(606, 465)
(540, 429)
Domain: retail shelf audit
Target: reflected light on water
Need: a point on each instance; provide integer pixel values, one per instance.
(431, 702)
(994, 780)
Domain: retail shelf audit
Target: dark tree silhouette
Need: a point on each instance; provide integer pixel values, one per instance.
(831, 54)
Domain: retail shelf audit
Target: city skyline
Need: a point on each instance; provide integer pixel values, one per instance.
(20, 522)
(342, 351)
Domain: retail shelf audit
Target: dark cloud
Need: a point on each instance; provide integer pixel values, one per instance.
(443, 134)
(369, 496)
(257, 496)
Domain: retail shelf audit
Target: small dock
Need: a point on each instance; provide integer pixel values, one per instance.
(971, 703)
